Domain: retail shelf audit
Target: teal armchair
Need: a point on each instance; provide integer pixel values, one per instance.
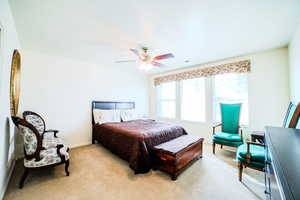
(290, 121)
(252, 154)
(230, 126)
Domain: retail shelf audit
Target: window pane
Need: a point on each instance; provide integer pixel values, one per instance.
(168, 90)
(193, 100)
(167, 109)
(167, 101)
(231, 88)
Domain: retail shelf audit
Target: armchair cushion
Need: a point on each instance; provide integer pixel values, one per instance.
(227, 142)
(48, 157)
(234, 137)
(257, 153)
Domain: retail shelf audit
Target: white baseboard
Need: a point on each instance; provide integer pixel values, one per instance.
(4, 187)
(79, 144)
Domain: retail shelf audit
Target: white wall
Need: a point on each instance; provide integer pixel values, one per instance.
(268, 89)
(294, 59)
(61, 90)
(8, 42)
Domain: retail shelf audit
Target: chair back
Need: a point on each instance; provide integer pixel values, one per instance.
(31, 137)
(36, 120)
(230, 115)
(292, 116)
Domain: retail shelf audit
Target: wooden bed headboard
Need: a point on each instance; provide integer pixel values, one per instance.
(111, 105)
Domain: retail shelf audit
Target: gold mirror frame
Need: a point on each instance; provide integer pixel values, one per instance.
(15, 82)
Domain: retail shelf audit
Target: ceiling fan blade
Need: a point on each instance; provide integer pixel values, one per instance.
(156, 64)
(124, 61)
(136, 52)
(164, 56)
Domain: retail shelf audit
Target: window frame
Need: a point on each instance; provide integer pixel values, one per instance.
(180, 117)
(210, 112)
(159, 103)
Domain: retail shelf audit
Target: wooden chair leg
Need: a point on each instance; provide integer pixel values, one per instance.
(67, 168)
(240, 166)
(23, 178)
(214, 147)
(93, 139)
(174, 177)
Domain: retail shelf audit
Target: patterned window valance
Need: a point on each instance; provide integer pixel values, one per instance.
(239, 67)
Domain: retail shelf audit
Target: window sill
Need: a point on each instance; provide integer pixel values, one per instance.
(243, 126)
(174, 120)
(164, 118)
(193, 122)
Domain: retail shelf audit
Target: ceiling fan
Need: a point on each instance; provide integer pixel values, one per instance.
(146, 60)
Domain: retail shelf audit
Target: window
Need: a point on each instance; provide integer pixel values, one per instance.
(167, 100)
(193, 99)
(231, 88)
(199, 99)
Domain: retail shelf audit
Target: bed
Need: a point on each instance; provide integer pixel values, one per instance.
(132, 140)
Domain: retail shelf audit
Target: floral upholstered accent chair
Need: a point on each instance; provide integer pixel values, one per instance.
(49, 137)
(37, 153)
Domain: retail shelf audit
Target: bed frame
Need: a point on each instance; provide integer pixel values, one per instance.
(111, 105)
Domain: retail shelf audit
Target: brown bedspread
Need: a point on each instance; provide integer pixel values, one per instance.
(133, 140)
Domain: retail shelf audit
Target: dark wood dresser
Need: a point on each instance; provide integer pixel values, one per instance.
(282, 163)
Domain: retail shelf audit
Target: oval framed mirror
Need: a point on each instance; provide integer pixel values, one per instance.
(15, 81)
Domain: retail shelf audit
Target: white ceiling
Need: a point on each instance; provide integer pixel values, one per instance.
(197, 30)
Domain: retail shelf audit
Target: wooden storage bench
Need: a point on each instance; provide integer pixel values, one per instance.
(176, 155)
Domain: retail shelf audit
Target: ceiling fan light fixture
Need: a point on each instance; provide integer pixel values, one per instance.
(145, 67)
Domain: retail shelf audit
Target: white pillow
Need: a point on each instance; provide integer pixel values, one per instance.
(103, 116)
(127, 115)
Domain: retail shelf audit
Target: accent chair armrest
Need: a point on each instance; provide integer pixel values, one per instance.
(215, 126)
(51, 131)
(248, 155)
(258, 135)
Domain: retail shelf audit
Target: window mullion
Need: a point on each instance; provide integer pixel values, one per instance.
(178, 100)
(158, 100)
(209, 100)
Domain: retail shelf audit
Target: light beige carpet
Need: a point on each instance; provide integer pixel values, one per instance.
(98, 174)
